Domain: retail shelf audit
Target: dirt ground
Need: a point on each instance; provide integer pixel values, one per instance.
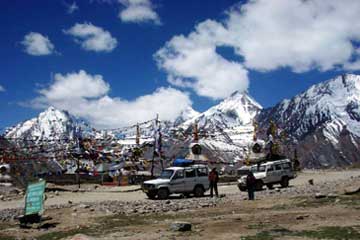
(279, 215)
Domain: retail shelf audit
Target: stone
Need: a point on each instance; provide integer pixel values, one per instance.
(311, 181)
(84, 206)
(332, 195)
(301, 217)
(352, 190)
(181, 226)
(70, 202)
(320, 195)
(80, 237)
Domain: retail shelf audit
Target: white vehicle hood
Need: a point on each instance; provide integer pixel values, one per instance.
(157, 181)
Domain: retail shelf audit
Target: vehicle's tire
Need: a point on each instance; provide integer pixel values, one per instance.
(151, 195)
(259, 185)
(242, 189)
(270, 186)
(284, 182)
(187, 195)
(163, 193)
(199, 191)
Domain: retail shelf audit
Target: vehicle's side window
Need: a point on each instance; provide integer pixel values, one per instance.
(270, 169)
(179, 174)
(202, 172)
(189, 173)
(277, 167)
(286, 166)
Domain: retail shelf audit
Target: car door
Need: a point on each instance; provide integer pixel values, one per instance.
(190, 179)
(202, 177)
(278, 172)
(177, 182)
(270, 174)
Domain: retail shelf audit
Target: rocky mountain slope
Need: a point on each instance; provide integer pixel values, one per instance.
(50, 124)
(226, 130)
(322, 123)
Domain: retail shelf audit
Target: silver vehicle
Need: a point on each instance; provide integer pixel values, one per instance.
(270, 173)
(184, 180)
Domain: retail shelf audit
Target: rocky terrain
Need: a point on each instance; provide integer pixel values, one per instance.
(304, 202)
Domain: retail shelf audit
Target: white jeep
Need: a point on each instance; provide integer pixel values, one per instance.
(269, 173)
(184, 180)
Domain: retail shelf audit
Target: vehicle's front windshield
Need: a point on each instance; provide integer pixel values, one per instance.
(166, 174)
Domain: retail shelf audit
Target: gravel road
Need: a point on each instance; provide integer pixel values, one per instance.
(128, 194)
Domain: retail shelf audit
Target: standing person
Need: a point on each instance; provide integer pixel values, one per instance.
(250, 185)
(213, 179)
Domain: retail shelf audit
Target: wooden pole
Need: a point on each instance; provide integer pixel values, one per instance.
(154, 149)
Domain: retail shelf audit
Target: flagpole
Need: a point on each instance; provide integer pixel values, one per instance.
(153, 156)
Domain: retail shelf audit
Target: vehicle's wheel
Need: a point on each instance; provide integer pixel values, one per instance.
(259, 185)
(284, 182)
(199, 191)
(187, 195)
(163, 193)
(151, 195)
(243, 189)
(270, 186)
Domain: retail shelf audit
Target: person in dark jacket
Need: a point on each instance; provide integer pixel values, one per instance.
(250, 185)
(213, 179)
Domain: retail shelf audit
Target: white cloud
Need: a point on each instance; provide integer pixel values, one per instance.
(2, 89)
(92, 38)
(302, 35)
(268, 35)
(71, 8)
(86, 96)
(138, 11)
(76, 85)
(193, 62)
(37, 44)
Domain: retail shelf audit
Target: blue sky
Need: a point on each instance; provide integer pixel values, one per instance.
(128, 59)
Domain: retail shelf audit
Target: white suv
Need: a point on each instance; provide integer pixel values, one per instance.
(185, 180)
(270, 173)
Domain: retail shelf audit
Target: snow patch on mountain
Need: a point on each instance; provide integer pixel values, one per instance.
(232, 117)
(50, 124)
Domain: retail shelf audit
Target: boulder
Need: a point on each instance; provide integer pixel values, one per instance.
(311, 181)
(320, 195)
(181, 226)
(80, 237)
(352, 190)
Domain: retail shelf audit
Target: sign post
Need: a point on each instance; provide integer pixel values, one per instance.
(34, 202)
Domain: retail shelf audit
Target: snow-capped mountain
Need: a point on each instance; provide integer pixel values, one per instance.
(233, 117)
(50, 124)
(225, 129)
(187, 114)
(324, 121)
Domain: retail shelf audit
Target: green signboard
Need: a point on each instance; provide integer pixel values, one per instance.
(34, 201)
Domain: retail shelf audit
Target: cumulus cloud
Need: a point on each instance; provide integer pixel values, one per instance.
(92, 38)
(2, 89)
(138, 11)
(71, 8)
(37, 44)
(268, 35)
(302, 35)
(193, 62)
(86, 95)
